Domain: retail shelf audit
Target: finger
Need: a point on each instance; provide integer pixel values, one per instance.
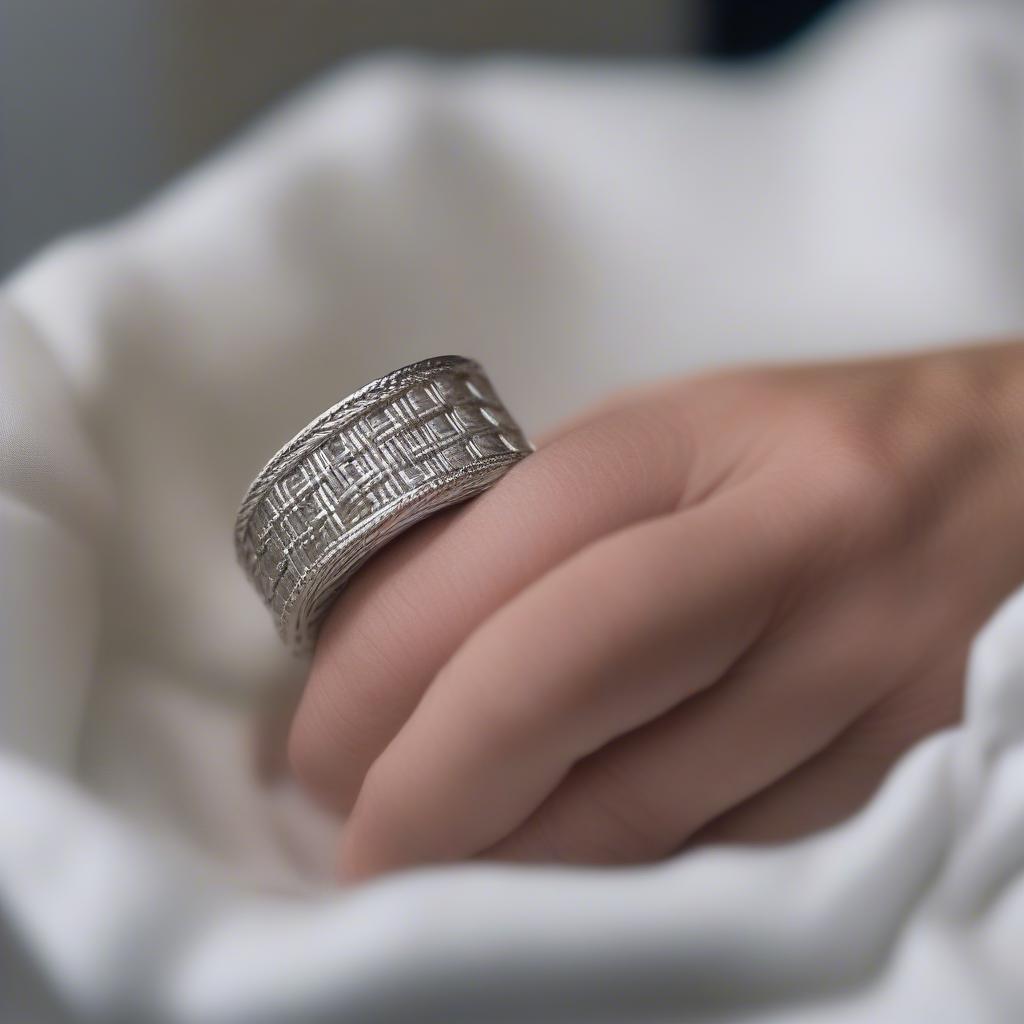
(643, 796)
(746, 755)
(836, 783)
(405, 613)
(602, 644)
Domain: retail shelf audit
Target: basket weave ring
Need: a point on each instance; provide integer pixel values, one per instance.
(403, 447)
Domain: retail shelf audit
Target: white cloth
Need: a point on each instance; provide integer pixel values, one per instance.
(575, 226)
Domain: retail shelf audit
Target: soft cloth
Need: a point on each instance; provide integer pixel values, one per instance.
(576, 227)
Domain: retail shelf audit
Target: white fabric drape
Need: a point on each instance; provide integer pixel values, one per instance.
(577, 227)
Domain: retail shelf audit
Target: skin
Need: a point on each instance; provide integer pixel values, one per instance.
(713, 609)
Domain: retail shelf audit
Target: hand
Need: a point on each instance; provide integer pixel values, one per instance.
(717, 608)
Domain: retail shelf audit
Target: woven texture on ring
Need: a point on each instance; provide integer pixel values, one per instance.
(404, 446)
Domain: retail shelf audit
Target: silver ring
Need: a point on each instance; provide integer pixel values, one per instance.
(403, 447)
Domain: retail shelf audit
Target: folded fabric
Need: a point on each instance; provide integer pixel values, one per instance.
(609, 223)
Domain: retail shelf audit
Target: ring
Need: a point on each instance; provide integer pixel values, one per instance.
(407, 445)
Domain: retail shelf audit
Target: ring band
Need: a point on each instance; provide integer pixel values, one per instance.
(405, 446)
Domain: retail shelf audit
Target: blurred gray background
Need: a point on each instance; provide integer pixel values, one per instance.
(103, 100)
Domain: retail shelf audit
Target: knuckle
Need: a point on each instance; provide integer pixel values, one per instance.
(860, 491)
